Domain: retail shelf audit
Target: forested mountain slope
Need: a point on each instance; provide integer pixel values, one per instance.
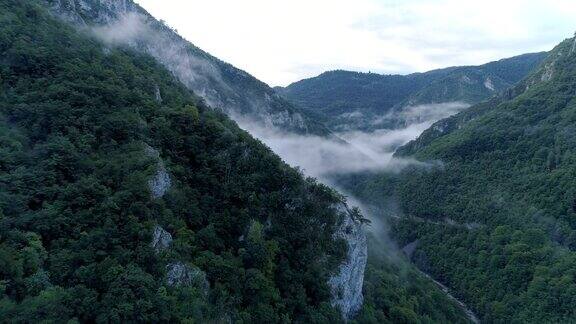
(123, 198)
(495, 219)
(220, 84)
(351, 100)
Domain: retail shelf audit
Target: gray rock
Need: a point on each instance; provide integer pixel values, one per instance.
(161, 239)
(181, 274)
(178, 273)
(123, 22)
(157, 94)
(346, 285)
(548, 72)
(160, 182)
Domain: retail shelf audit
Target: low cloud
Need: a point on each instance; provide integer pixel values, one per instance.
(431, 112)
(186, 63)
(129, 28)
(360, 151)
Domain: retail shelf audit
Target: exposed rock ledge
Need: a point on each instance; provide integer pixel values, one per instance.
(161, 182)
(179, 273)
(161, 239)
(346, 285)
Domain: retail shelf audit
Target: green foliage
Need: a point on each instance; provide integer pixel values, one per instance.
(76, 212)
(496, 219)
(396, 293)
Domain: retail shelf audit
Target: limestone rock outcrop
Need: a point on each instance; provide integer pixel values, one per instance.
(182, 274)
(346, 284)
(161, 239)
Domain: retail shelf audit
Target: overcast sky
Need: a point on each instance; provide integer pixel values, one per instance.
(282, 41)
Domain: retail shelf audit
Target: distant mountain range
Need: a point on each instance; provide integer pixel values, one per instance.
(346, 100)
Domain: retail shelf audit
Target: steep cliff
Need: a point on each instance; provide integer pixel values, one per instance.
(346, 284)
(160, 182)
(220, 84)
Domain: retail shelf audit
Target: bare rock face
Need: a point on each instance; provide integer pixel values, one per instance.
(181, 274)
(161, 239)
(346, 285)
(157, 94)
(488, 84)
(548, 72)
(160, 182)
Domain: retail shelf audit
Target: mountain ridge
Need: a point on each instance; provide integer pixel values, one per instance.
(354, 100)
(505, 168)
(223, 86)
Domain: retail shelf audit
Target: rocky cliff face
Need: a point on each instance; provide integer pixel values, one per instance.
(346, 284)
(122, 22)
(160, 183)
(161, 239)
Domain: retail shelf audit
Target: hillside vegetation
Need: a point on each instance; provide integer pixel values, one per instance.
(496, 219)
(82, 129)
(365, 101)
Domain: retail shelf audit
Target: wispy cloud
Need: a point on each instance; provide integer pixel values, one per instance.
(283, 41)
(361, 151)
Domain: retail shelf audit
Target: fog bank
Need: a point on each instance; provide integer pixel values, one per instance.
(359, 151)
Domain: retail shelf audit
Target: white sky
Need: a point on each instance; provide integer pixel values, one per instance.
(282, 41)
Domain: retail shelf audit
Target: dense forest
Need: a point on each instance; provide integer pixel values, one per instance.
(78, 121)
(125, 198)
(493, 215)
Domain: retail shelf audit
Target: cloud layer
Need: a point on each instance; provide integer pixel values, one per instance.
(282, 41)
(362, 151)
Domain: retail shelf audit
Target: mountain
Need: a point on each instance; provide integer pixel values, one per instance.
(493, 214)
(221, 85)
(125, 198)
(351, 100)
